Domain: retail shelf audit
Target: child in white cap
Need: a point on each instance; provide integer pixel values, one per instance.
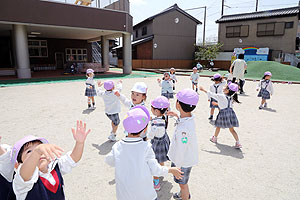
(134, 160)
(40, 166)
(166, 86)
(265, 87)
(195, 78)
(90, 90)
(226, 117)
(173, 77)
(112, 104)
(138, 95)
(158, 132)
(183, 150)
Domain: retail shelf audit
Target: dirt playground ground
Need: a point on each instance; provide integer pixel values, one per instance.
(266, 168)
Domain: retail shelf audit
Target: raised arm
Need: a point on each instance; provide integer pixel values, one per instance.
(123, 99)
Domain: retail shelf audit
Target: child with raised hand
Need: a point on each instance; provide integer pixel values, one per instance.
(112, 104)
(226, 117)
(217, 88)
(134, 160)
(183, 150)
(40, 166)
(90, 90)
(6, 173)
(158, 133)
(166, 86)
(265, 87)
(138, 95)
(195, 78)
(173, 77)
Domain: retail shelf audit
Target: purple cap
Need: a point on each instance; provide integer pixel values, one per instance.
(217, 75)
(268, 73)
(137, 119)
(88, 71)
(108, 85)
(195, 68)
(233, 87)
(17, 147)
(188, 96)
(160, 102)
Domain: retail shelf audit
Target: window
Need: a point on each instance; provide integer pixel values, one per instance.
(270, 29)
(289, 24)
(76, 54)
(144, 30)
(237, 31)
(37, 48)
(137, 33)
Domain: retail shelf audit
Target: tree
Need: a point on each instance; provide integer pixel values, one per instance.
(207, 52)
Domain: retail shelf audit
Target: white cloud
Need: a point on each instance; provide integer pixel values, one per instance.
(138, 2)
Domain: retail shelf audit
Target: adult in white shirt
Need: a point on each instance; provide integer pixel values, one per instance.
(237, 69)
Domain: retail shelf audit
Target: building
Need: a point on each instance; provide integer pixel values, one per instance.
(51, 34)
(273, 29)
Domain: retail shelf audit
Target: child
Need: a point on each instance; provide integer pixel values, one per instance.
(194, 78)
(158, 133)
(166, 86)
(173, 77)
(138, 95)
(266, 89)
(134, 160)
(90, 90)
(226, 117)
(40, 166)
(112, 105)
(6, 173)
(183, 150)
(217, 88)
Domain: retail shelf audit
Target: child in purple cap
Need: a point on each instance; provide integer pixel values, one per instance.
(226, 117)
(90, 90)
(6, 173)
(265, 87)
(183, 150)
(134, 160)
(166, 86)
(112, 104)
(40, 166)
(195, 78)
(158, 133)
(217, 88)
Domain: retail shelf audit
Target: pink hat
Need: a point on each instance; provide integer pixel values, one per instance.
(160, 102)
(137, 119)
(17, 147)
(88, 71)
(217, 75)
(195, 68)
(268, 73)
(108, 85)
(188, 96)
(233, 87)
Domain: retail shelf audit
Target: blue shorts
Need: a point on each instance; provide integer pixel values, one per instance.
(186, 175)
(194, 83)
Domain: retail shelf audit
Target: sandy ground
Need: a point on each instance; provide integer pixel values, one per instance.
(267, 167)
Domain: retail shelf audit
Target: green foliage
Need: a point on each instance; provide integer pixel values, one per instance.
(207, 52)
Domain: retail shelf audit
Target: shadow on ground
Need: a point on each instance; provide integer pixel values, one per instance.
(105, 147)
(87, 111)
(165, 191)
(226, 150)
(270, 110)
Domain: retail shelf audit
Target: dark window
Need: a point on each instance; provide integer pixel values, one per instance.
(38, 48)
(237, 31)
(137, 33)
(270, 29)
(289, 24)
(144, 30)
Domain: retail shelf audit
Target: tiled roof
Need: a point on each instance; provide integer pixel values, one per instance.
(260, 14)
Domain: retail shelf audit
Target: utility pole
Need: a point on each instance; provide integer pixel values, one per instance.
(222, 11)
(256, 7)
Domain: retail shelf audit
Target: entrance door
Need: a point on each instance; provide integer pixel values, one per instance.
(59, 60)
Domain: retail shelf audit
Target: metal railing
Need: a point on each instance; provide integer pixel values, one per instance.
(96, 52)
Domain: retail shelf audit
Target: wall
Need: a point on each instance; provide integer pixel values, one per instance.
(144, 50)
(286, 43)
(160, 64)
(139, 28)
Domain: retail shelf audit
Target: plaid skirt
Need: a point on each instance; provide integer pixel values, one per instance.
(160, 147)
(211, 105)
(114, 118)
(264, 94)
(90, 92)
(227, 119)
(168, 95)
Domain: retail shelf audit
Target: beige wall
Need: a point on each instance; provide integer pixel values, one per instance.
(285, 43)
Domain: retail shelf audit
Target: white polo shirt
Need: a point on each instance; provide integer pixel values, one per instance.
(111, 101)
(6, 166)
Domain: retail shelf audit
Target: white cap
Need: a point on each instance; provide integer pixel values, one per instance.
(139, 87)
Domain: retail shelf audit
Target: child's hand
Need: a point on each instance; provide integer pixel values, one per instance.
(191, 79)
(158, 80)
(80, 133)
(117, 93)
(172, 113)
(202, 89)
(49, 151)
(2, 150)
(176, 172)
(100, 83)
(120, 81)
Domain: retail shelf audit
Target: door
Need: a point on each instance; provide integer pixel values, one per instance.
(59, 60)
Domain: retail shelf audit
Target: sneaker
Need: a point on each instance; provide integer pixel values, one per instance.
(157, 187)
(112, 137)
(265, 105)
(238, 146)
(177, 196)
(211, 117)
(213, 139)
(260, 107)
